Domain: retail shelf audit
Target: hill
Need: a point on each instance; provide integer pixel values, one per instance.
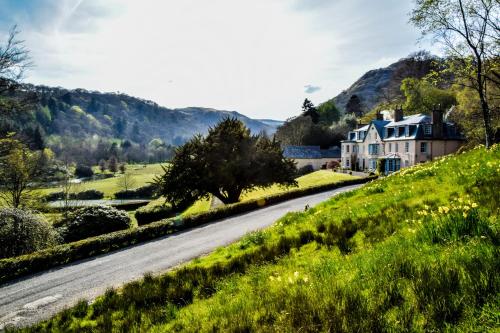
(83, 114)
(383, 84)
(390, 256)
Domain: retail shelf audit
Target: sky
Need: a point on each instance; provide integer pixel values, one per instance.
(260, 57)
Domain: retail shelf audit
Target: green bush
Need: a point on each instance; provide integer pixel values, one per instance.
(22, 232)
(145, 215)
(83, 171)
(143, 192)
(83, 195)
(63, 254)
(87, 195)
(92, 221)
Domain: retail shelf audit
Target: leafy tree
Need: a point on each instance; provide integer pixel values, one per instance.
(38, 142)
(225, 163)
(469, 31)
(328, 112)
(113, 164)
(354, 106)
(309, 110)
(19, 167)
(102, 165)
(83, 171)
(421, 96)
(122, 167)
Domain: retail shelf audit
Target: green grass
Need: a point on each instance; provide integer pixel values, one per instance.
(316, 178)
(415, 251)
(141, 176)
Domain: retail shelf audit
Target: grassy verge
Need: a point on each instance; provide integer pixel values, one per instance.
(416, 251)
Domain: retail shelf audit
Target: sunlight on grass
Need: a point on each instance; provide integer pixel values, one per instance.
(141, 174)
(316, 178)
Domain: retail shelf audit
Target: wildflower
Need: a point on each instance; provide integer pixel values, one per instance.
(464, 214)
(271, 278)
(474, 205)
(296, 274)
(290, 280)
(305, 279)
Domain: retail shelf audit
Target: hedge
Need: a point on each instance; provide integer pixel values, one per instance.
(11, 268)
(145, 215)
(143, 192)
(83, 195)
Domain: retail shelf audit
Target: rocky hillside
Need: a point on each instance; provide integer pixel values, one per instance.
(380, 84)
(82, 114)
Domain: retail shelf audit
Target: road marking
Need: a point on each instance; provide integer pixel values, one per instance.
(41, 302)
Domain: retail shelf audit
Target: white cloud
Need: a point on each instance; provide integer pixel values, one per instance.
(251, 56)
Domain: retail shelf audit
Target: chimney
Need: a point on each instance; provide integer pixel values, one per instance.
(380, 116)
(437, 122)
(398, 113)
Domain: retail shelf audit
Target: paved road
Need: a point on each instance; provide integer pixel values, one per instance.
(33, 298)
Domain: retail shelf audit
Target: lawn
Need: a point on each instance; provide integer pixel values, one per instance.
(316, 178)
(141, 175)
(416, 251)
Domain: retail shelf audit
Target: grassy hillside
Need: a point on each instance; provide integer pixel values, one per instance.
(415, 251)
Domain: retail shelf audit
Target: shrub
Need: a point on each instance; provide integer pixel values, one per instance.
(92, 221)
(332, 165)
(54, 196)
(148, 214)
(84, 195)
(305, 170)
(87, 195)
(22, 232)
(147, 191)
(83, 171)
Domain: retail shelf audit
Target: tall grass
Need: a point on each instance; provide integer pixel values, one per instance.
(415, 251)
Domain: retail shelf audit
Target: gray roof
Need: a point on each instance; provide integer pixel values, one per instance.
(411, 120)
(310, 152)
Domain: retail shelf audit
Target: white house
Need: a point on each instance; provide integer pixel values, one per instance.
(400, 142)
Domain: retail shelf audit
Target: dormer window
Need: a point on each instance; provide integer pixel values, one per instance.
(427, 129)
(407, 130)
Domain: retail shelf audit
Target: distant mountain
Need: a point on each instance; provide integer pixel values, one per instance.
(273, 123)
(81, 113)
(377, 85)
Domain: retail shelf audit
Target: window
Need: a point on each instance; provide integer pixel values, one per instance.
(396, 147)
(407, 130)
(427, 129)
(347, 162)
(347, 148)
(390, 147)
(407, 147)
(407, 163)
(423, 147)
(373, 149)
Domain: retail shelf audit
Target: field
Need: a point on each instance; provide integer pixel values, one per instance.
(415, 251)
(316, 178)
(141, 175)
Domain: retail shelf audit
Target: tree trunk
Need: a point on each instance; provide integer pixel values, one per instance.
(488, 131)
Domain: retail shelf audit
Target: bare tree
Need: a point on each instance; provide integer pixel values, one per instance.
(469, 30)
(14, 61)
(126, 181)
